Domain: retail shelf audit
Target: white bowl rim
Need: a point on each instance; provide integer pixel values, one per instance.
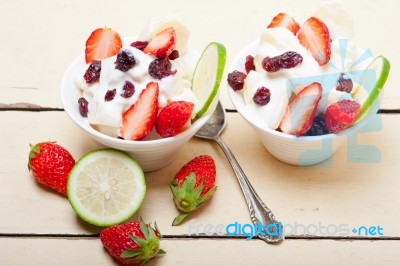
(80, 121)
(233, 95)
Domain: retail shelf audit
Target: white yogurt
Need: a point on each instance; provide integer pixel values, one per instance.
(106, 116)
(285, 83)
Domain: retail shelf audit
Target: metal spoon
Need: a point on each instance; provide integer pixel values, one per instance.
(260, 214)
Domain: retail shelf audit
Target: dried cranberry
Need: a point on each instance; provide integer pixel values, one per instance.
(83, 106)
(249, 65)
(140, 45)
(174, 55)
(318, 127)
(92, 74)
(262, 96)
(236, 80)
(344, 83)
(125, 60)
(286, 60)
(160, 68)
(110, 94)
(129, 89)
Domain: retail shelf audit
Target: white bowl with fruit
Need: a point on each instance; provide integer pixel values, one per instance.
(302, 92)
(146, 95)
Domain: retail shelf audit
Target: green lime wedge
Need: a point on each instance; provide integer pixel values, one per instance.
(377, 73)
(208, 75)
(106, 187)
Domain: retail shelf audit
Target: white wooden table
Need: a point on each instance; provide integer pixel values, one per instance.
(37, 227)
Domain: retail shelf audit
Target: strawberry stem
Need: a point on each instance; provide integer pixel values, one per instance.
(179, 219)
(187, 197)
(185, 204)
(148, 247)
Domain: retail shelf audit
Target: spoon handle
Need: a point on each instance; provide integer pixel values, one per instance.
(267, 227)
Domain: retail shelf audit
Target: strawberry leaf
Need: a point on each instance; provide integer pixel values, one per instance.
(207, 195)
(130, 253)
(144, 229)
(34, 150)
(190, 182)
(161, 252)
(139, 241)
(152, 234)
(197, 191)
(134, 260)
(158, 230)
(174, 187)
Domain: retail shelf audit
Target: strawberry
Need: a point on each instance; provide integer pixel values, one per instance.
(173, 118)
(102, 43)
(139, 119)
(300, 112)
(50, 165)
(162, 44)
(340, 115)
(132, 243)
(286, 21)
(193, 185)
(314, 35)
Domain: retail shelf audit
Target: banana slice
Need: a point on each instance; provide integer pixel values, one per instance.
(158, 24)
(338, 20)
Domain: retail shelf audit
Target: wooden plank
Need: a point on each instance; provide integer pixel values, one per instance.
(204, 252)
(356, 194)
(43, 38)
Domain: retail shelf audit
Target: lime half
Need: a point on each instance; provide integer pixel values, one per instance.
(374, 76)
(106, 187)
(208, 75)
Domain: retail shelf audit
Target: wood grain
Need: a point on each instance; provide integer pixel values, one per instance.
(43, 38)
(87, 252)
(358, 187)
(352, 193)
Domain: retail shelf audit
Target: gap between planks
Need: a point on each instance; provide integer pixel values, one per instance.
(200, 236)
(34, 108)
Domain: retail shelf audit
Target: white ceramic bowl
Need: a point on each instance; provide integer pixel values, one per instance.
(151, 154)
(304, 151)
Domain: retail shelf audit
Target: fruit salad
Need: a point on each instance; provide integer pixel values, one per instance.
(127, 82)
(309, 79)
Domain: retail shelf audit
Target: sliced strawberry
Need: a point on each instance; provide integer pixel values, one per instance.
(300, 112)
(314, 35)
(286, 21)
(162, 44)
(102, 43)
(173, 118)
(341, 115)
(139, 119)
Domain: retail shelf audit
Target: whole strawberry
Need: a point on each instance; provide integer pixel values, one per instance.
(132, 243)
(50, 165)
(193, 185)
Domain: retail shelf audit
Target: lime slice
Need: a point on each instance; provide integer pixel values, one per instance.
(208, 75)
(106, 187)
(374, 77)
